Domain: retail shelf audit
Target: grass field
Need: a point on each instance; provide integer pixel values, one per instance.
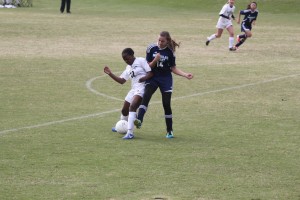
(236, 124)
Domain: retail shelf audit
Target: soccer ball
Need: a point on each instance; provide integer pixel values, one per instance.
(121, 126)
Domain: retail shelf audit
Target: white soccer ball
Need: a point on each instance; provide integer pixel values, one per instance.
(121, 126)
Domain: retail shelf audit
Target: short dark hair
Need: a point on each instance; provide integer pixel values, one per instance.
(128, 51)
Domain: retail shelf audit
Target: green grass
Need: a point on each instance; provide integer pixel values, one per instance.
(236, 123)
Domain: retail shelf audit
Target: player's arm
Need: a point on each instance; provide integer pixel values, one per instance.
(179, 72)
(146, 77)
(153, 63)
(254, 20)
(113, 76)
(233, 17)
(239, 18)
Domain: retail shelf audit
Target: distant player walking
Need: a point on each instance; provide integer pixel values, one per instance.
(138, 71)
(224, 22)
(250, 16)
(161, 58)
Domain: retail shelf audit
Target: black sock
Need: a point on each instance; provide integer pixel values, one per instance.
(241, 42)
(169, 123)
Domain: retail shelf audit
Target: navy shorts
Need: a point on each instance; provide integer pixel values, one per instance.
(164, 83)
(245, 27)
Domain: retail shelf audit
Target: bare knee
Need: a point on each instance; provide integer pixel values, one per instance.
(218, 35)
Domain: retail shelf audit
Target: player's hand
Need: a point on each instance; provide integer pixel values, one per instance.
(107, 70)
(189, 76)
(157, 57)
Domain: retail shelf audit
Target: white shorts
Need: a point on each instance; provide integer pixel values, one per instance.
(223, 23)
(137, 91)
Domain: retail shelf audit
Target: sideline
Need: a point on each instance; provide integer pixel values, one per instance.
(89, 83)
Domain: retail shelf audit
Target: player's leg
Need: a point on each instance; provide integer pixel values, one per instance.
(166, 101)
(125, 108)
(231, 37)
(247, 33)
(149, 91)
(244, 37)
(68, 6)
(218, 34)
(62, 6)
(136, 101)
(124, 113)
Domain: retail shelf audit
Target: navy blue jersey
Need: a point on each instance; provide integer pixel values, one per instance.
(250, 16)
(162, 72)
(167, 59)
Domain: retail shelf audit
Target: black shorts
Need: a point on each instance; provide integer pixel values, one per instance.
(245, 27)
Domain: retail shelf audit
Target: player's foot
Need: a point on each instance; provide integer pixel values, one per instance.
(170, 135)
(232, 49)
(113, 129)
(207, 42)
(128, 136)
(137, 123)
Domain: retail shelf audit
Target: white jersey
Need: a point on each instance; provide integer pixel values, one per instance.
(225, 20)
(137, 70)
(227, 11)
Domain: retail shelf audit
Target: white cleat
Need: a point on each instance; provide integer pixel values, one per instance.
(128, 136)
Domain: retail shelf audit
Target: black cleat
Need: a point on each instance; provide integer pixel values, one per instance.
(207, 42)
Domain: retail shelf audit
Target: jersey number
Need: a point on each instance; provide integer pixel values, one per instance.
(132, 74)
(160, 64)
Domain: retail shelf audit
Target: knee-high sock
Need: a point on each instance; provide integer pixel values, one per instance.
(166, 99)
(141, 113)
(241, 42)
(169, 122)
(212, 37)
(231, 42)
(149, 91)
(131, 118)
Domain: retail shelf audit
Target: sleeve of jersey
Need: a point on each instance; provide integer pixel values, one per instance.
(173, 60)
(149, 57)
(243, 12)
(223, 10)
(125, 75)
(146, 66)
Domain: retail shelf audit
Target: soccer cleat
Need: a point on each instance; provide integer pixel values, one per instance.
(113, 129)
(207, 42)
(128, 136)
(137, 123)
(232, 49)
(238, 39)
(170, 134)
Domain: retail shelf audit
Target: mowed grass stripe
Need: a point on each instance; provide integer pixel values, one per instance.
(155, 102)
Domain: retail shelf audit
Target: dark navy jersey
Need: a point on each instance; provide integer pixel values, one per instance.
(250, 16)
(167, 59)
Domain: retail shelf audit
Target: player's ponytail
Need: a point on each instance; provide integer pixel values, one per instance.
(170, 42)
